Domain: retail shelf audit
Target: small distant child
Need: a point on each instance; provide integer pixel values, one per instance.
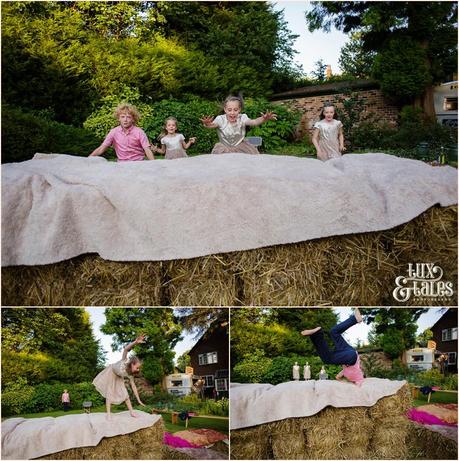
(231, 127)
(65, 399)
(328, 137)
(173, 143)
(110, 382)
(343, 354)
(129, 141)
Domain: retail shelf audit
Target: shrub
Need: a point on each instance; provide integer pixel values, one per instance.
(16, 397)
(252, 368)
(215, 407)
(432, 377)
(450, 383)
(24, 134)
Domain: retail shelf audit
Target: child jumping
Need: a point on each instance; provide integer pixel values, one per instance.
(129, 141)
(173, 143)
(328, 137)
(231, 127)
(110, 382)
(343, 354)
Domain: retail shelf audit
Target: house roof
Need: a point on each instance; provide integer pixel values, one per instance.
(214, 327)
(447, 310)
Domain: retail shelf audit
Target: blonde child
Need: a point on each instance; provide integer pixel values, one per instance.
(110, 382)
(231, 127)
(328, 137)
(129, 141)
(173, 144)
(343, 353)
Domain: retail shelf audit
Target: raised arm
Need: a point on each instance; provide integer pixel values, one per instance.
(186, 145)
(140, 339)
(208, 122)
(262, 119)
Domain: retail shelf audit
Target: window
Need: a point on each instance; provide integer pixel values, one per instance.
(418, 358)
(450, 104)
(207, 358)
(451, 358)
(221, 384)
(449, 334)
(208, 381)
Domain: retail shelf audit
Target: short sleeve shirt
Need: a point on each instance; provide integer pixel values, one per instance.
(231, 134)
(173, 142)
(128, 145)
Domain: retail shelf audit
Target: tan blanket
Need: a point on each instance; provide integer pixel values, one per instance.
(56, 207)
(253, 404)
(34, 437)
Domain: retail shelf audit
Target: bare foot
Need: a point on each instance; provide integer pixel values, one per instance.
(133, 414)
(358, 315)
(310, 332)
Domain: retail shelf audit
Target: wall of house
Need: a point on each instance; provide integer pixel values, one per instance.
(449, 320)
(311, 105)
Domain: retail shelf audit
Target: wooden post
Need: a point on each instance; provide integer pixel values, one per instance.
(428, 398)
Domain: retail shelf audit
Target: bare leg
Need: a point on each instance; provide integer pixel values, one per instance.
(131, 410)
(108, 405)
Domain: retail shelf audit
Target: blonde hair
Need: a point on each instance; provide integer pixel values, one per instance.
(133, 360)
(130, 109)
(164, 130)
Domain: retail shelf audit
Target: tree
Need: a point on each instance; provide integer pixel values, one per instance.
(319, 71)
(183, 361)
(423, 338)
(162, 332)
(200, 319)
(354, 60)
(429, 25)
(394, 328)
(48, 344)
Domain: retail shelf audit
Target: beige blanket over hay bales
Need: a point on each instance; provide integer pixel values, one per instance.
(34, 437)
(253, 404)
(56, 207)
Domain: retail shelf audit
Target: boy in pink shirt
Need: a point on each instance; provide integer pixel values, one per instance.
(129, 141)
(343, 354)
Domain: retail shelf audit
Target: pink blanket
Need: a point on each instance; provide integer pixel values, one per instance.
(426, 418)
(177, 442)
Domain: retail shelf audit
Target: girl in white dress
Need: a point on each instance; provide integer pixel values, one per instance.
(231, 127)
(110, 382)
(173, 144)
(328, 137)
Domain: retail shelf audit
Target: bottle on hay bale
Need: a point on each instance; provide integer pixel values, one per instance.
(323, 374)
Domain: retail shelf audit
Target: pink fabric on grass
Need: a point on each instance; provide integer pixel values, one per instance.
(176, 442)
(426, 418)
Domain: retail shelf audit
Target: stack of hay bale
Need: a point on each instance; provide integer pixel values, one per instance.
(378, 432)
(355, 269)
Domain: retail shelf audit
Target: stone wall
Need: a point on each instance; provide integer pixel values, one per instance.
(311, 100)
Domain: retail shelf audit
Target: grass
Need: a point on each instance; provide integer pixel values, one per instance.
(437, 397)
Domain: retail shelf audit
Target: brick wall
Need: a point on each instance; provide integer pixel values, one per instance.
(311, 105)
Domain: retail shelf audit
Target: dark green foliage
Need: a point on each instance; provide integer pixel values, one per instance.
(24, 134)
(162, 331)
(402, 69)
(354, 60)
(22, 398)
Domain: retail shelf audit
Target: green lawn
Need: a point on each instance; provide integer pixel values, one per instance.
(437, 397)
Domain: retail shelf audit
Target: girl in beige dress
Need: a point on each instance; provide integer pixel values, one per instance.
(231, 127)
(173, 144)
(328, 137)
(110, 382)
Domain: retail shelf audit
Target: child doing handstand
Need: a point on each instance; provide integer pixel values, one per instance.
(110, 382)
(231, 127)
(343, 354)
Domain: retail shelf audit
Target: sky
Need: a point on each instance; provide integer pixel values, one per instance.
(314, 46)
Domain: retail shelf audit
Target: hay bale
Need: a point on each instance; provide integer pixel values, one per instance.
(355, 269)
(143, 444)
(424, 443)
(250, 443)
(378, 432)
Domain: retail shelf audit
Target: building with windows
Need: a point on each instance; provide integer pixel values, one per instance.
(445, 336)
(210, 360)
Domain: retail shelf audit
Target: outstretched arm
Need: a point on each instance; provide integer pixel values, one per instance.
(135, 391)
(262, 119)
(339, 375)
(208, 122)
(140, 339)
